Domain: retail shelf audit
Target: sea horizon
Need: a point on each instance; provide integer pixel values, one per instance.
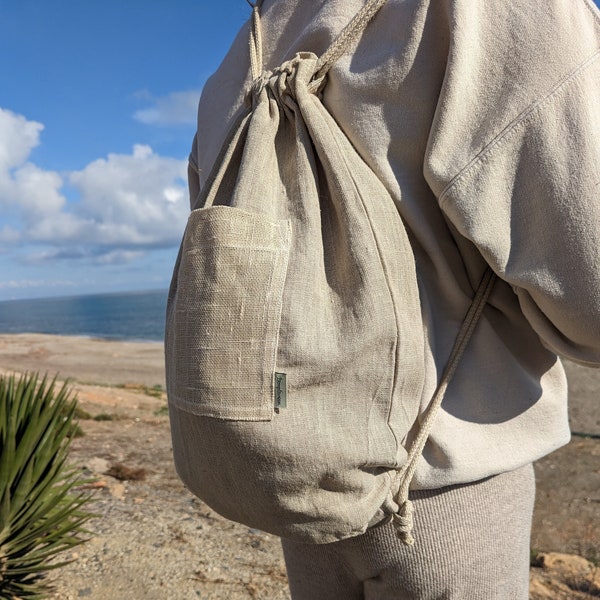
(87, 294)
(135, 315)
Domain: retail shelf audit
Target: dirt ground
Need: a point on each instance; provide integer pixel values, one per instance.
(154, 540)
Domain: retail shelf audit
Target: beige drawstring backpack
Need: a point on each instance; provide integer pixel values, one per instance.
(294, 338)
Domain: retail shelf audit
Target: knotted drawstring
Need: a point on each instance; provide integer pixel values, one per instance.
(403, 518)
(403, 522)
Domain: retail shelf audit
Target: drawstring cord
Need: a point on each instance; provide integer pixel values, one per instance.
(403, 519)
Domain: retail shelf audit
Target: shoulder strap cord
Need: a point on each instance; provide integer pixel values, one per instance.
(403, 519)
(348, 35)
(339, 46)
(256, 53)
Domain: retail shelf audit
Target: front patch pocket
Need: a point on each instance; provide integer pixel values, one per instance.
(224, 314)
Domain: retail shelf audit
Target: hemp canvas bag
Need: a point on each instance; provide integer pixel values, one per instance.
(294, 340)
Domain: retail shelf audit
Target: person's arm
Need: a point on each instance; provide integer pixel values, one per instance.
(531, 204)
(514, 157)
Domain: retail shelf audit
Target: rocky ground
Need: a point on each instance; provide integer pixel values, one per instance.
(153, 540)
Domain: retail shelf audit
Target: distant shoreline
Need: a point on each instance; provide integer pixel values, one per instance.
(84, 359)
(93, 337)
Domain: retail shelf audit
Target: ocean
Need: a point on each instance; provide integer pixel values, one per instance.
(138, 316)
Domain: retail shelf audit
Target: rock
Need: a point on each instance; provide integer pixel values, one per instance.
(117, 490)
(97, 465)
(567, 564)
(564, 577)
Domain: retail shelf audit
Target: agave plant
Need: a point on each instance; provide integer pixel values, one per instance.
(41, 514)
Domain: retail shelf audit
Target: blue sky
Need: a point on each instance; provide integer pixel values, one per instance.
(97, 109)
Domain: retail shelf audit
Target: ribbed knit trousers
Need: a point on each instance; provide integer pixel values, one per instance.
(472, 543)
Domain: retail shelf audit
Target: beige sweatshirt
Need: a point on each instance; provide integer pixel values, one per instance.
(483, 121)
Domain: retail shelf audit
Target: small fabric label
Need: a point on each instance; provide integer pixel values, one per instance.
(280, 390)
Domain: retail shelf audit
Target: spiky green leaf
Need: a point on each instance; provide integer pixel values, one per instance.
(40, 517)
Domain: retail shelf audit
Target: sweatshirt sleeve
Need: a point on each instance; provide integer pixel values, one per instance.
(530, 202)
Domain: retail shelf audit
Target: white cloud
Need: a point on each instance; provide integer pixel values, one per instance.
(60, 229)
(24, 186)
(37, 192)
(177, 108)
(18, 137)
(118, 257)
(13, 284)
(127, 203)
(136, 199)
(8, 235)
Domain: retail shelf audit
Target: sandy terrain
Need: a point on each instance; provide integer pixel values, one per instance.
(153, 540)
